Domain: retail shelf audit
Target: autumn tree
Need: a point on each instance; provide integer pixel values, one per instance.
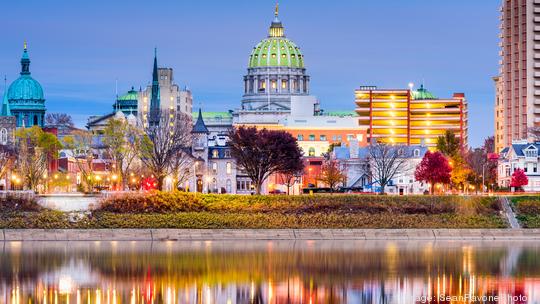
(433, 169)
(59, 120)
(331, 174)
(165, 142)
(34, 147)
(122, 143)
(80, 146)
(385, 162)
(460, 172)
(261, 153)
(519, 179)
(7, 159)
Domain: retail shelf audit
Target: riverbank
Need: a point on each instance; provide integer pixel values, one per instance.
(267, 234)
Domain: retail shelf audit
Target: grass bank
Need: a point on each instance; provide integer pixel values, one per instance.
(527, 209)
(182, 210)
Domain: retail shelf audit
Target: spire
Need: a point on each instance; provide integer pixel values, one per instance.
(155, 98)
(276, 29)
(5, 106)
(200, 126)
(25, 61)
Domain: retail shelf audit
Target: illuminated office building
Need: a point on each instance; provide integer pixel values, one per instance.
(410, 117)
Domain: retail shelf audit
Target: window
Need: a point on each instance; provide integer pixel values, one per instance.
(334, 138)
(227, 153)
(4, 136)
(229, 168)
(323, 137)
(283, 83)
(311, 151)
(274, 84)
(312, 137)
(339, 138)
(215, 153)
(300, 137)
(229, 186)
(416, 153)
(350, 137)
(535, 167)
(214, 167)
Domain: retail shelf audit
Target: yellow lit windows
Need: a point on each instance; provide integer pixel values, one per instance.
(283, 84)
(274, 84)
(229, 168)
(311, 151)
(274, 55)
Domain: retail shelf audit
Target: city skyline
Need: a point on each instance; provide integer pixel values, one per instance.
(208, 45)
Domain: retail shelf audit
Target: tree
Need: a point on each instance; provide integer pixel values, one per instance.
(331, 174)
(434, 168)
(385, 161)
(123, 144)
(448, 144)
(80, 145)
(7, 158)
(519, 179)
(34, 148)
(460, 171)
(59, 120)
(165, 142)
(261, 153)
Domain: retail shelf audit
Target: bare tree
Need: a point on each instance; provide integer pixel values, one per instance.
(164, 143)
(59, 119)
(80, 147)
(181, 168)
(122, 144)
(7, 158)
(385, 161)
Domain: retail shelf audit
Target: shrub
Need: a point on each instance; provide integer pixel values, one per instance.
(13, 203)
(166, 202)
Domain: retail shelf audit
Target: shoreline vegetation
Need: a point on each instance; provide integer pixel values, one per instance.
(209, 211)
(527, 209)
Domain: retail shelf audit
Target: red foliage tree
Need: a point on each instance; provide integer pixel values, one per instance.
(434, 168)
(519, 179)
(261, 153)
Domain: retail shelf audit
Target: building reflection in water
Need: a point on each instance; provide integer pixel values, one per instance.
(269, 272)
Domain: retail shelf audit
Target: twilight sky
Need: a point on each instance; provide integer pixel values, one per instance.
(79, 48)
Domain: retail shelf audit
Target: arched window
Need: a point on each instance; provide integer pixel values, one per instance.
(416, 152)
(215, 153)
(311, 151)
(4, 136)
(229, 168)
(214, 167)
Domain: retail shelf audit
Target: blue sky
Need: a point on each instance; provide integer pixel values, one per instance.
(79, 48)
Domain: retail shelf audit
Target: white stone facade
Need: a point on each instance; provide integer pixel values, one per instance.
(520, 155)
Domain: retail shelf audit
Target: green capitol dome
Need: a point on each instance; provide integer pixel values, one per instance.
(276, 50)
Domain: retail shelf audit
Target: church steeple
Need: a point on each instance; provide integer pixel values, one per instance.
(25, 61)
(155, 98)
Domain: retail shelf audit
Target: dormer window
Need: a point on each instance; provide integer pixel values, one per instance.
(531, 151)
(416, 153)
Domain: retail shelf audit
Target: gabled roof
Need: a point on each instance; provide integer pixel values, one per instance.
(200, 126)
(518, 148)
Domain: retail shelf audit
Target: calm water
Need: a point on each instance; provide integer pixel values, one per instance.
(270, 272)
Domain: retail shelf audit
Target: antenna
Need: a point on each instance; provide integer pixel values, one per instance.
(116, 91)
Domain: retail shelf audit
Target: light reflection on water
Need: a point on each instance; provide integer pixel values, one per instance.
(269, 272)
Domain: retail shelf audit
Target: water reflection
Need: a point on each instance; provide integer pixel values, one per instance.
(270, 272)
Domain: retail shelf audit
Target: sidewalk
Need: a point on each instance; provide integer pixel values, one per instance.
(266, 234)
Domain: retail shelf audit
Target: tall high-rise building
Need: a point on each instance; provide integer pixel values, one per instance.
(518, 85)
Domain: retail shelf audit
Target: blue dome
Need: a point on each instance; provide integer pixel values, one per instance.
(25, 88)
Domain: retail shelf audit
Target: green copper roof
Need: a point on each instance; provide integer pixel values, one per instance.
(340, 113)
(129, 96)
(212, 115)
(5, 106)
(276, 52)
(25, 87)
(422, 94)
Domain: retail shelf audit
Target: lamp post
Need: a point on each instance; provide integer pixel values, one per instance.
(483, 177)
